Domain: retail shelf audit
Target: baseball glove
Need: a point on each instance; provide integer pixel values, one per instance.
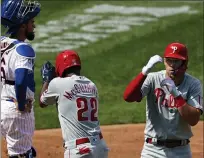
(47, 72)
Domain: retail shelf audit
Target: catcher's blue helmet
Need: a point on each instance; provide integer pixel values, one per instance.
(16, 12)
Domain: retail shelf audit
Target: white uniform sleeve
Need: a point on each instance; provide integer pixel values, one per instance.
(25, 56)
(146, 87)
(195, 96)
(50, 95)
(24, 62)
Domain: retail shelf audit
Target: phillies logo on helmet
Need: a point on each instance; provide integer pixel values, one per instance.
(74, 62)
(174, 48)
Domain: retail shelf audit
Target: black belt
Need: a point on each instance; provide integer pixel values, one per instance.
(9, 82)
(169, 143)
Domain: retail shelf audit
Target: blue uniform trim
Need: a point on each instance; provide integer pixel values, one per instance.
(21, 83)
(25, 50)
(31, 82)
(3, 37)
(17, 42)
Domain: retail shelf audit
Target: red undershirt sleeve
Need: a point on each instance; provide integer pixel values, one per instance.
(133, 90)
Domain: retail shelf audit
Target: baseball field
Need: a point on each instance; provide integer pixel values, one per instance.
(114, 39)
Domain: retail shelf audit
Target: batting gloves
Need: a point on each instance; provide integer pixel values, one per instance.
(171, 87)
(152, 61)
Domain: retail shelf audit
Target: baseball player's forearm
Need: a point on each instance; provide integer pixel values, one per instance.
(133, 90)
(43, 89)
(187, 112)
(21, 79)
(190, 114)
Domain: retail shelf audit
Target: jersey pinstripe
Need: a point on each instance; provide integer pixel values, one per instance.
(12, 61)
(16, 127)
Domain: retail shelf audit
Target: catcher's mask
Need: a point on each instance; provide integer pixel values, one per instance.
(66, 59)
(177, 51)
(16, 12)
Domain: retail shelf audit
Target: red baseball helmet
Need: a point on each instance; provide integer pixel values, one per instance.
(66, 59)
(176, 50)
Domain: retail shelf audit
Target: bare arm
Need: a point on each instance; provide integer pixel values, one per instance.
(190, 109)
(43, 89)
(47, 73)
(190, 114)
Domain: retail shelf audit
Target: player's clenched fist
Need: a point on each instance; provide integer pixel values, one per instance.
(152, 61)
(47, 72)
(171, 87)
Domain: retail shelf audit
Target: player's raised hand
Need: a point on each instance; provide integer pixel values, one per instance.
(152, 61)
(171, 87)
(48, 72)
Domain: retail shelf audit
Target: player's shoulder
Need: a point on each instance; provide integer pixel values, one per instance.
(55, 80)
(83, 79)
(88, 80)
(25, 50)
(80, 78)
(3, 38)
(191, 80)
(157, 74)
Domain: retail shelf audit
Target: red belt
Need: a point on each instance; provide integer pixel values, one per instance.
(85, 140)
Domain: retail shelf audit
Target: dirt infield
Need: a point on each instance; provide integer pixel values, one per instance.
(124, 141)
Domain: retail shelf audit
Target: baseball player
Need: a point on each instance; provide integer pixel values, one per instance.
(174, 104)
(17, 77)
(77, 99)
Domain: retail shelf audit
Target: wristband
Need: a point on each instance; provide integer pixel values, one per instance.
(180, 101)
(145, 70)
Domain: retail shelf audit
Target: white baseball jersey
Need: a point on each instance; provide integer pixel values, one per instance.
(163, 120)
(77, 99)
(16, 127)
(12, 59)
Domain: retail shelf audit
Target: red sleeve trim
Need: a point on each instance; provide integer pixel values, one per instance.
(133, 90)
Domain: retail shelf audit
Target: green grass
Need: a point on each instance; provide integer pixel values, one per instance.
(112, 62)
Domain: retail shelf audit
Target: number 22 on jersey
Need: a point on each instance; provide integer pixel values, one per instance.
(87, 106)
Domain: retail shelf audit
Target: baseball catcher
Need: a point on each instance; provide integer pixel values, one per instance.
(17, 76)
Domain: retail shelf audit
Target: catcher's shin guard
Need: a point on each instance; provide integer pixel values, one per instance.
(34, 152)
(29, 154)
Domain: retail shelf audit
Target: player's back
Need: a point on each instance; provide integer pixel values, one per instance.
(77, 106)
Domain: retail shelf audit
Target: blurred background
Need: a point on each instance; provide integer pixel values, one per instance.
(115, 39)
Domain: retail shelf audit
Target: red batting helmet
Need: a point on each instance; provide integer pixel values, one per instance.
(66, 59)
(176, 50)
